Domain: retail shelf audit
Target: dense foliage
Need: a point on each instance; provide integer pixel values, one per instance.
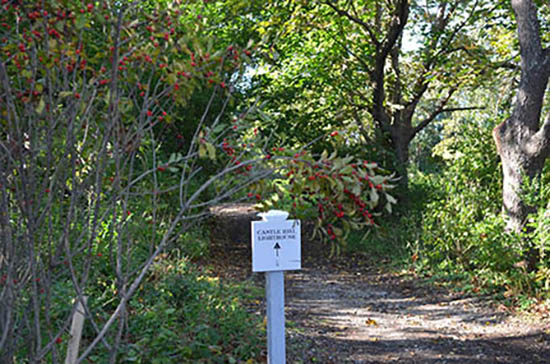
(122, 123)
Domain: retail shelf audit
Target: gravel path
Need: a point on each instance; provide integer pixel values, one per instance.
(362, 316)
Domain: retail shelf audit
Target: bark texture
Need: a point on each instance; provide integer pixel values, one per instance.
(522, 142)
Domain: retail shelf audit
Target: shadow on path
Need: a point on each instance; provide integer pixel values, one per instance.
(364, 316)
(345, 311)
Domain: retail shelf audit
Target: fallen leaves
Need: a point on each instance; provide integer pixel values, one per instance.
(371, 322)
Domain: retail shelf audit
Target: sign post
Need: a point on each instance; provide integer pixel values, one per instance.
(275, 248)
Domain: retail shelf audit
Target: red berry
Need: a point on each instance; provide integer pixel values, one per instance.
(334, 133)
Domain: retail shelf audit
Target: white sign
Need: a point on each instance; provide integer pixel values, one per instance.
(276, 243)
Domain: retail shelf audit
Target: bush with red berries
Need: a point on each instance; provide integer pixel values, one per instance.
(88, 196)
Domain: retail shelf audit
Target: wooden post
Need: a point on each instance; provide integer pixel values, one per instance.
(275, 293)
(275, 248)
(76, 332)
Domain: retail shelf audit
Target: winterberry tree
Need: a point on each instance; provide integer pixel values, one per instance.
(89, 195)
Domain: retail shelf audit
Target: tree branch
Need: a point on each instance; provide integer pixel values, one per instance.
(441, 109)
(399, 19)
(441, 23)
(534, 72)
(539, 144)
(528, 33)
(355, 55)
(356, 20)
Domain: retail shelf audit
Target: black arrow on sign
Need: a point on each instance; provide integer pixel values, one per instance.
(277, 247)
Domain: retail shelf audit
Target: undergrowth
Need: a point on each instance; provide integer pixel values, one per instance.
(182, 313)
(449, 229)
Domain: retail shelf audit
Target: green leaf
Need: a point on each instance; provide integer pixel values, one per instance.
(377, 179)
(80, 21)
(347, 170)
(340, 185)
(64, 94)
(26, 74)
(211, 151)
(374, 196)
(202, 151)
(41, 105)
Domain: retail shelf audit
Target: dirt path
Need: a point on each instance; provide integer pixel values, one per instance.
(346, 310)
(360, 315)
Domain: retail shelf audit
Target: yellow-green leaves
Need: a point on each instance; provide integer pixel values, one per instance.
(206, 149)
(41, 106)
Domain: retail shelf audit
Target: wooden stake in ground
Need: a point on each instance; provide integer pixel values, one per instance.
(76, 331)
(275, 248)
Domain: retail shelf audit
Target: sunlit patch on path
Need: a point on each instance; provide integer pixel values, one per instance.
(369, 317)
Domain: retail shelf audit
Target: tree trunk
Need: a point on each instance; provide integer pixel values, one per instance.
(401, 138)
(516, 167)
(522, 142)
